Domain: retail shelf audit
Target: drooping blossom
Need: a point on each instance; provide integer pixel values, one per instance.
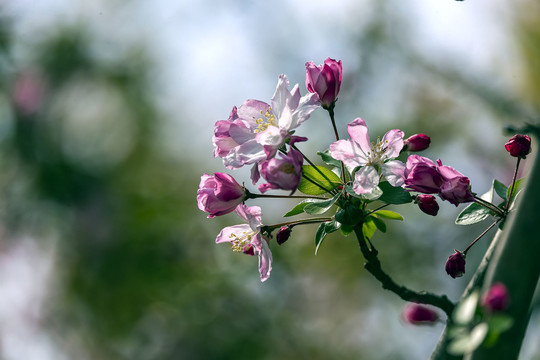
(358, 151)
(417, 142)
(324, 80)
(455, 264)
(255, 131)
(496, 298)
(519, 145)
(423, 175)
(418, 314)
(284, 173)
(283, 234)
(247, 238)
(428, 204)
(219, 194)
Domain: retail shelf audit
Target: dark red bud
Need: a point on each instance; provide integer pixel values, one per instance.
(418, 314)
(519, 145)
(428, 204)
(455, 265)
(496, 298)
(283, 234)
(418, 142)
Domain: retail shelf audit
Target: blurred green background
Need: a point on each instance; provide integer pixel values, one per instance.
(106, 116)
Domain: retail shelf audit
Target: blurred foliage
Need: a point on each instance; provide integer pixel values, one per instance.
(137, 273)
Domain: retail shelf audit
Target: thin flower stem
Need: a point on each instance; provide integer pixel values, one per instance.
(489, 206)
(254, 196)
(312, 164)
(377, 209)
(299, 222)
(479, 237)
(509, 200)
(333, 120)
(373, 265)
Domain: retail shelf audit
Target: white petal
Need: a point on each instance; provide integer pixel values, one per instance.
(394, 172)
(365, 180)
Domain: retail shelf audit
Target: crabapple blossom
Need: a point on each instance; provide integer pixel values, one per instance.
(496, 298)
(455, 264)
(247, 238)
(358, 151)
(324, 80)
(284, 173)
(428, 204)
(417, 142)
(418, 314)
(519, 145)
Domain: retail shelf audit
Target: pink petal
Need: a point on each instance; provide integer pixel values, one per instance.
(393, 142)
(265, 261)
(238, 230)
(349, 153)
(394, 172)
(359, 133)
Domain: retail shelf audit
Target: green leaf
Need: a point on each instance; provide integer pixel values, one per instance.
(472, 214)
(388, 214)
(517, 187)
(394, 195)
(322, 206)
(328, 159)
(465, 310)
(346, 229)
(467, 343)
(329, 181)
(350, 215)
(298, 209)
(500, 189)
(324, 229)
(369, 227)
(500, 323)
(379, 223)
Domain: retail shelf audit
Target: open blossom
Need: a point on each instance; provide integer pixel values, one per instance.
(284, 173)
(360, 152)
(255, 131)
(324, 80)
(247, 238)
(219, 194)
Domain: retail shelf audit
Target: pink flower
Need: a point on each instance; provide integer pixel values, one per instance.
(417, 142)
(456, 190)
(428, 204)
(496, 298)
(219, 194)
(422, 175)
(255, 131)
(359, 152)
(519, 145)
(455, 265)
(284, 173)
(418, 314)
(324, 80)
(247, 238)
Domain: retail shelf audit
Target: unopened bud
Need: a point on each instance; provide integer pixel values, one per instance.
(428, 204)
(455, 265)
(519, 145)
(496, 298)
(283, 234)
(418, 314)
(417, 142)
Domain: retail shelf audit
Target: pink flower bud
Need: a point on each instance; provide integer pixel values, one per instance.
(325, 80)
(455, 265)
(283, 234)
(428, 204)
(418, 314)
(284, 173)
(519, 145)
(417, 142)
(219, 194)
(496, 298)
(456, 190)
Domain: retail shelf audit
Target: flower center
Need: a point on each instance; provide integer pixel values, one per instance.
(267, 118)
(377, 154)
(240, 242)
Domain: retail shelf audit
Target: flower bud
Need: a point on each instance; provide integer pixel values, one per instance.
(455, 265)
(283, 234)
(219, 194)
(428, 204)
(284, 173)
(519, 145)
(496, 298)
(325, 80)
(417, 142)
(456, 190)
(418, 314)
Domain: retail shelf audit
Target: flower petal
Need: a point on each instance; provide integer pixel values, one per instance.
(393, 143)
(394, 172)
(348, 152)
(281, 96)
(229, 233)
(359, 133)
(365, 180)
(265, 261)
